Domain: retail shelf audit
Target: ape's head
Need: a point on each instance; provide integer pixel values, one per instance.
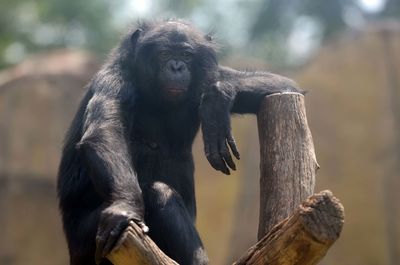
(172, 61)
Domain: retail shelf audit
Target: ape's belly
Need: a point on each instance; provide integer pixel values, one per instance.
(174, 168)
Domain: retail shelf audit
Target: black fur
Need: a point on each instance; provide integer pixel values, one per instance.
(127, 155)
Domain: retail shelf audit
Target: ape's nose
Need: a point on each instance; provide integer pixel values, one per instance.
(176, 66)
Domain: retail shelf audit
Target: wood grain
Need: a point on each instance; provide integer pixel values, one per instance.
(287, 158)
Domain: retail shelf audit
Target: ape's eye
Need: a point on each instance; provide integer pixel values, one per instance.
(163, 54)
(186, 54)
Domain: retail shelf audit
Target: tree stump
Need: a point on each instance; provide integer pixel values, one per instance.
(288, 164)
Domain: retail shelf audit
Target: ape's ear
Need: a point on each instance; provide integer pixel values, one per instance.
(135, 36)
(208, 37)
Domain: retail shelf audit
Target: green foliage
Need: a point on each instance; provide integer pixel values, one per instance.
(32, 26)
(277, 20)
(260, 28)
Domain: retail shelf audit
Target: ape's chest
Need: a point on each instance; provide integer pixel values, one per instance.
(166, 134)
(161, 142)
(158, 160)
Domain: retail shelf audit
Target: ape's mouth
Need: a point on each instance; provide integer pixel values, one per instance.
(175, 90)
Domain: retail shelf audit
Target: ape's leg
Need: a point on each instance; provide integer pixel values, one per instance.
(171, 226)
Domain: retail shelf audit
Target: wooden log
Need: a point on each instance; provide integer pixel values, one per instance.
(136, 248)
(287, 158)
(303, 238)
(289, 233)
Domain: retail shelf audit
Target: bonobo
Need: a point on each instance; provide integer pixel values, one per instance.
(127, 156)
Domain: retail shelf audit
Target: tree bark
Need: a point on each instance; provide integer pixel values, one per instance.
(391, 180)
(287, 158)
(303, 238)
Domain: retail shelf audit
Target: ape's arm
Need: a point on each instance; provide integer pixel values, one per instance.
(237, 92)
(106, 154)
(249, 88)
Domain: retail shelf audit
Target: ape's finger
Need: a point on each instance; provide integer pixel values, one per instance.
(212, 155)
(225, 169)
(113, 238)
(217, 162)
(226, 155)
(111, 241)
(121, 240)
(144, 227)
(125, 233)
(232, 144)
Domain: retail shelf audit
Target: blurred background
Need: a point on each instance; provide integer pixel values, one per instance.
(345, 53)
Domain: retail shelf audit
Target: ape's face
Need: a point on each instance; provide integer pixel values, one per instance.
(172, 61)
(175, 67)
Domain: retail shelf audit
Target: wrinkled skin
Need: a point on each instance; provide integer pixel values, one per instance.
(128, 154)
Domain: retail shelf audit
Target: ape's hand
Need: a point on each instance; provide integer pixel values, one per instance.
(113, 221)
(216, 127)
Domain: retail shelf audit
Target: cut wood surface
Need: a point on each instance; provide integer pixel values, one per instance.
(303, 238)
(287, 158)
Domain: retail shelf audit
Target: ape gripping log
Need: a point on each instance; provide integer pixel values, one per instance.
(295, 226)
